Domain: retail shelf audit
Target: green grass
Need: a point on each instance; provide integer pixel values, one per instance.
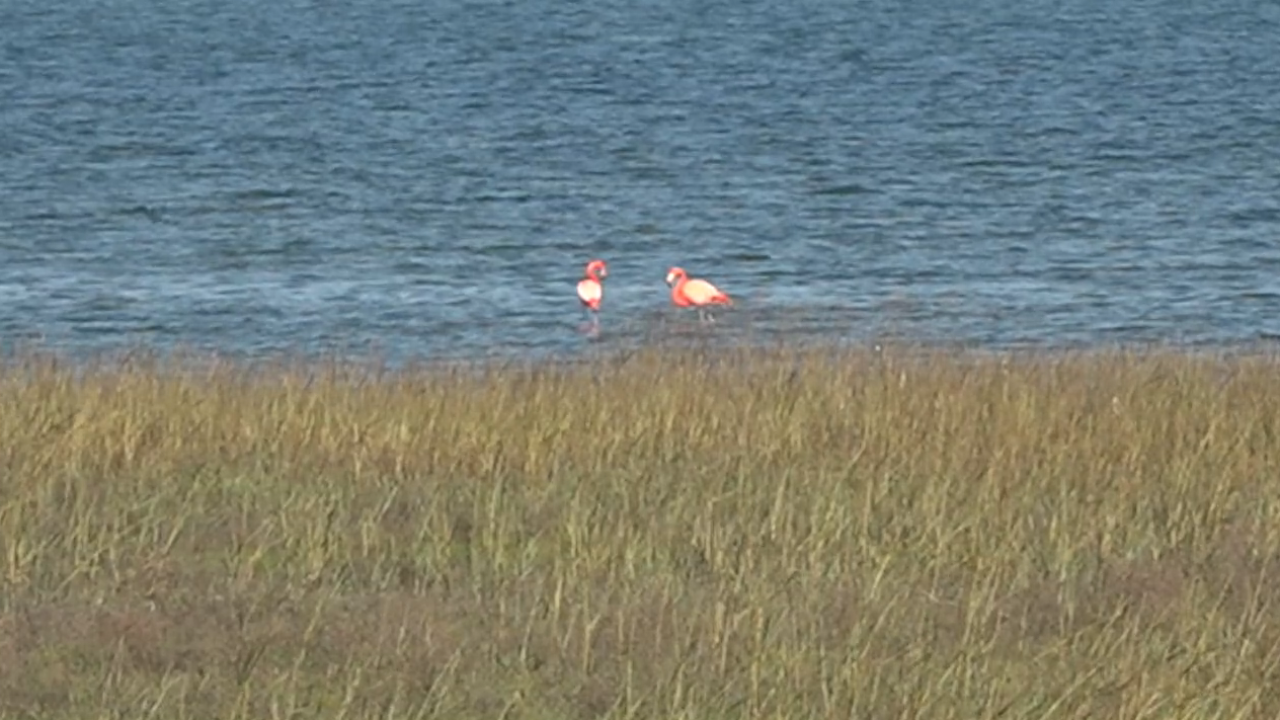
(758, 534)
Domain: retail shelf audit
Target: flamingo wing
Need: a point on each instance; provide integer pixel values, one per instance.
(701, 292)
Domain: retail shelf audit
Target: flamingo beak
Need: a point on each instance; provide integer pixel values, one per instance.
(671, 277)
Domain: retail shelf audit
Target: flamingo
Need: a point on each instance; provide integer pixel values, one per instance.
(590, 289)
(694, 292)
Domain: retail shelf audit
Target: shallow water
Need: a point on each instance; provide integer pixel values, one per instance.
(426, 180)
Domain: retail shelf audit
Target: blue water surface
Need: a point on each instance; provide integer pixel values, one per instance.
(427, 179)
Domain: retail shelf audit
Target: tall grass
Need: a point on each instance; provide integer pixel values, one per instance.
(755, 534)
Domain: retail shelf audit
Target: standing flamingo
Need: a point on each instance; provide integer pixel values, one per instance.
(590, 289)
(694, 292)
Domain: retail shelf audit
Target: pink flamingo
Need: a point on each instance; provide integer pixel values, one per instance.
(694, 292)
(590, 289)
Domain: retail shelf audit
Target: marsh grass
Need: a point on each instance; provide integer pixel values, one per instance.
(756, 534)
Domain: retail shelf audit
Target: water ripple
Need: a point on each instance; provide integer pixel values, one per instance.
(429, 181)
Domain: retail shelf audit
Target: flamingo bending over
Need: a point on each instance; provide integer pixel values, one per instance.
(694, 292)
(590, 289)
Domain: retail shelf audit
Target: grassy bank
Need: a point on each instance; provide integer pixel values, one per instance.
(763, 535)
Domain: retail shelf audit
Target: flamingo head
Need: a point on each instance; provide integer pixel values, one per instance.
(675, 275)
(597, 266)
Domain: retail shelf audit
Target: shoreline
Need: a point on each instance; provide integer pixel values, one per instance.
(187, 359)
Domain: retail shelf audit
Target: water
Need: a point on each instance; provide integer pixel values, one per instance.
(427, 179)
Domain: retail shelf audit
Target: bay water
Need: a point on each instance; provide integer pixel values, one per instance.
(427, 179)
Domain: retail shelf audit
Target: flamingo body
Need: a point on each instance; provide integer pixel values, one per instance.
(590, 289)
(590, 292)
(694, 292)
